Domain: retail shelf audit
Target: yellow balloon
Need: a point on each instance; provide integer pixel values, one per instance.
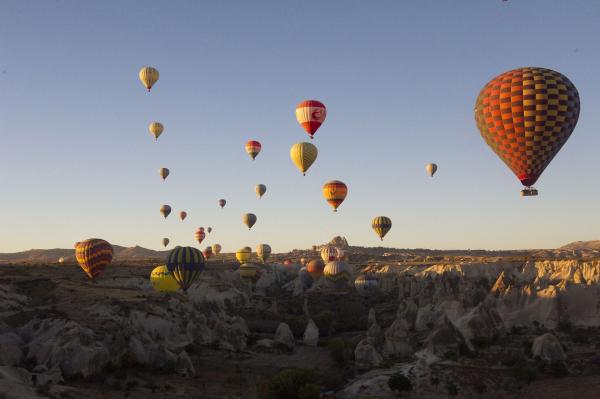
(162, 280)
(156, 128)
(243, 254)
(303, 155)
(149, 76)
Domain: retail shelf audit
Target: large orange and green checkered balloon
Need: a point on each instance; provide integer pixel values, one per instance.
(93, 256)
(526, 115)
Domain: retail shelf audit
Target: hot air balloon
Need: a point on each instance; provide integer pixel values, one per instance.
(199, 235)
(222, 203)
(249, 272)
(149, 76)
(335, 192)
(253, 148)
(381, 225)
(185, 265)
(93, 255)
(431, 168)
(526, 115)
(61, 260)
(216, 248)
(337, 272)
(260, 190)
(162, 280)
(263, 251)
(315, 268)
(329, 253)
(163, 173)
(311, 114)
(182, 215)
(303, 261)
(366, 284)
(303, 155)
(165, 210)
(207, 252)
(209, 229)
(165, 241)
(156, 129)
(243, 254)
(249, 219)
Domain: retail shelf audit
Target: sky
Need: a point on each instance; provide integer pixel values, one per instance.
(399, 79)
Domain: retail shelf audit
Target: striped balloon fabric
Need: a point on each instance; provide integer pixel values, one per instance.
(149, 76)
(253, 148)
(329, 253)
(303, 155)
(93, 255)
(526, 115)
(381, 225)
(185, 265)
(335, 192)
(310, 115)
(337, 271)
(366, 284)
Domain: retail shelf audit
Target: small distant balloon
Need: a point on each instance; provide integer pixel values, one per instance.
(249, 219)
(207, 252)
(431, 168)
(310, 115)
(165, 241)
(222, 203)
(165, 210)
(148, 76)
(253, 148)
(199, 235)
(216, 248)
(243, 254)
(156, 129)
(182, 215)
(260, 190)
(263, 251)
(209, 229)
(163, 173)
(381, 225)
(335, 192)
(303, 155)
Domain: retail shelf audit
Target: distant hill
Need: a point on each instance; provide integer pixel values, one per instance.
(52, 255)
(582, 245)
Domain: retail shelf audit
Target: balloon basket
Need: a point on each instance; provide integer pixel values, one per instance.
(529, 192)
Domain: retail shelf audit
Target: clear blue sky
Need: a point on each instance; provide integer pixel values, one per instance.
(399, 79)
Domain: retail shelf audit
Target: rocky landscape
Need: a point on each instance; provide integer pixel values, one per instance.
(470, 324)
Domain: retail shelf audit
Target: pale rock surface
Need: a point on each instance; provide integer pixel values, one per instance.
(311, 334)
(548, 348)
(284, 337)
(396, 340)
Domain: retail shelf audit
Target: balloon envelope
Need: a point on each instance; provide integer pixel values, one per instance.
(303, 155)
(148, 76)
(243, 254)
(310, 115)
(260, 190)
(182, 215)
(216, 248)
(165, 242)
(253, 148)
(526, 115)
(381, 225)
(222, 203)
(249, 219)
(199, 235)
(431, 168)
(156, 129)
(93, 255)
(165, 210)
(185, 265)
(162, 280)
(263, 251)
(163, 173)
(335, 192)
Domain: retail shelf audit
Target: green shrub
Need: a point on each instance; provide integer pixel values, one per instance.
(342, 350)
(286, 384)
(399, 382)
(309, 391)
(451, 388)
(324, 321)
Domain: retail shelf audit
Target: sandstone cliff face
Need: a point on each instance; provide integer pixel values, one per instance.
(515, 293)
